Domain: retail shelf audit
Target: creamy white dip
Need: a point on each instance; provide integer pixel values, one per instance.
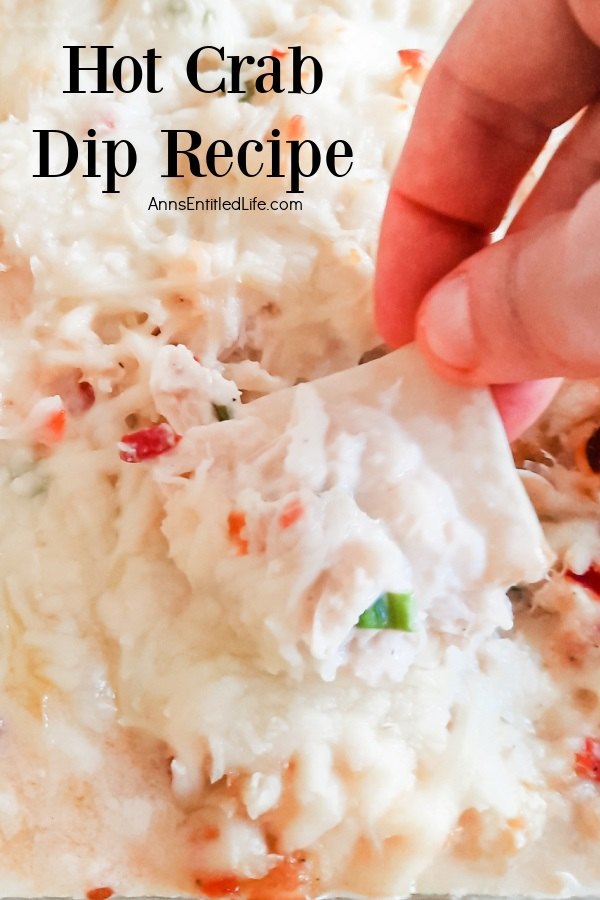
(186, 703)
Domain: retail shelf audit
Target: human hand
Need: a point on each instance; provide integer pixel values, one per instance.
(528, 306)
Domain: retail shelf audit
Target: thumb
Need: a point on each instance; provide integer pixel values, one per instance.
(525, 307)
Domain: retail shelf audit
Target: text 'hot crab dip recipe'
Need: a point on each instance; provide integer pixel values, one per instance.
(274, 625)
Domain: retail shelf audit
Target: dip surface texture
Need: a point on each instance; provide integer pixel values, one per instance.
(186, 703)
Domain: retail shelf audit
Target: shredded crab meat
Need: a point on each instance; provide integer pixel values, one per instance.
(187, 706)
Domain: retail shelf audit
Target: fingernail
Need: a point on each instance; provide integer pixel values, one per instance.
(446, 324)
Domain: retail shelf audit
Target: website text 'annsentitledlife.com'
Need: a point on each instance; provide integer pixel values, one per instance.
(218, 204)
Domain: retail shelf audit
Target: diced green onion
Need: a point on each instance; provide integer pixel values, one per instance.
(401, 611)
(223, 413)
(391, 611)
(376, 616)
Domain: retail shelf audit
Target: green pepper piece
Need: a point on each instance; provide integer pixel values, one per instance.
(401, 611)
(390, 611)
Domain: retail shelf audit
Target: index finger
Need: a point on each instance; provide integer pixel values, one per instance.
(512, 71)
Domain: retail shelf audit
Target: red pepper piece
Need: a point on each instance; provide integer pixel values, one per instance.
(99, 893)
(227, 886)
(279, 54)
(147, 443)
(288, 880)
(236, 522)
(53, 429)
(291, 513)
(412, 58)
(590, 580)
(587, 761)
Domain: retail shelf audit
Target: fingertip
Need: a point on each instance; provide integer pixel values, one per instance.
(445, 326)
(442, 341)
(520, 405)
